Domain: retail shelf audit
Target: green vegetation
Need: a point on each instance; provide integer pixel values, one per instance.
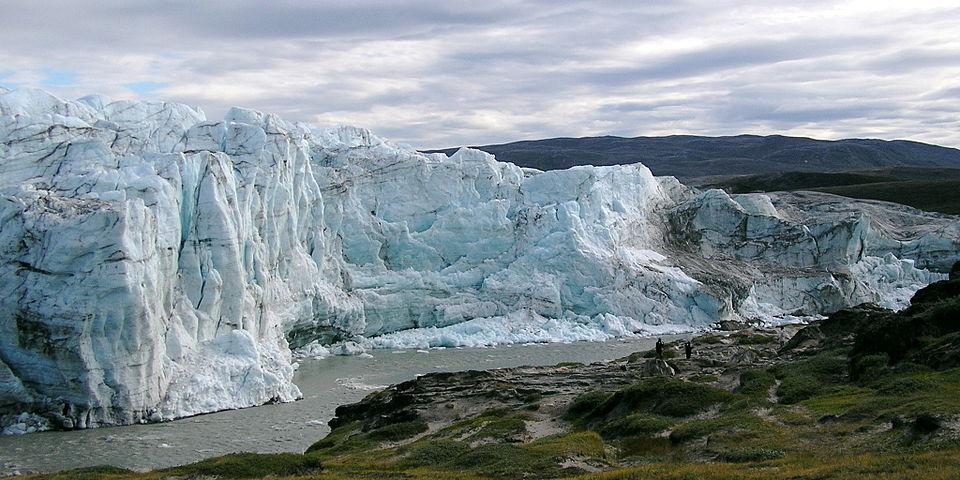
(251, 465)
(433, 452)
(730, 428)
(342, 439)
(397, 431)
(583, 405)
(756, 383)
(500, 424)
(584, 444)
(660, 396)
(92, 473)
(751, 455)
(704, 378)
(508, 428)
(507, 461)
(670, 397)
(909, 334)
(636, 424)
(652, 449)
(935, 465)
(804, 379)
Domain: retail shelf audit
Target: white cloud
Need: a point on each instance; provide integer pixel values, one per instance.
(436, 74)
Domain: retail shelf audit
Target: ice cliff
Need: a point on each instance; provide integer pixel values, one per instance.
(156, 265)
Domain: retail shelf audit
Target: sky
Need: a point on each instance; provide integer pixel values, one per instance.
(444, 73)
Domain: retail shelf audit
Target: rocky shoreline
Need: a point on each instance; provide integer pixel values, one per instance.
(864, 393)
(752, 395)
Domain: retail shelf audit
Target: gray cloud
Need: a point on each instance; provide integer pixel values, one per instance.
(914, 59)
(741, 54)
(440, 73)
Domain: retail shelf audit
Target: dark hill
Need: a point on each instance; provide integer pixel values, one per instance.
(686, 156)
(934, 189)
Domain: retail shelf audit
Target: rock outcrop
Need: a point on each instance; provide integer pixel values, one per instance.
(156, 264)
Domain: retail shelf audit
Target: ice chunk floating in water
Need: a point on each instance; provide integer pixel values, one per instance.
(158, 264)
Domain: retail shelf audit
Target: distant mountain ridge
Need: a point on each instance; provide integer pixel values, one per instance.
(690, 156)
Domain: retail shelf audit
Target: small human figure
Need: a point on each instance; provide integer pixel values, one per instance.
(660, 349)
(688, 349)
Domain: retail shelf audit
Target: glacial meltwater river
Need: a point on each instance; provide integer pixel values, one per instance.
(288, 427)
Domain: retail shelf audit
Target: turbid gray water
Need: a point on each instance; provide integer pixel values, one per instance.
(289, 427)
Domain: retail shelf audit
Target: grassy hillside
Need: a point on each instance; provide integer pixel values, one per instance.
(931, 189)
(933, 196)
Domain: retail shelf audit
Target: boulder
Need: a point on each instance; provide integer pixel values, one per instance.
(655, 367)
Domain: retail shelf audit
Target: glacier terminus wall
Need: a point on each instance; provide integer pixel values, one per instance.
(156, 264)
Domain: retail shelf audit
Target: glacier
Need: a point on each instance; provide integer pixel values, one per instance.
(157, 264)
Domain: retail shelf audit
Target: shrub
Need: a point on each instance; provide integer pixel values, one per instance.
(663, 396)
(645, 446)
(338, 435)
(802, 380)
(507, 461)
(906, 332)
(637, 424)
(902, 386)
(559, 446)
(743, 423)
(91, 473)
(535, 460)
(397, 431)
(433, 453)
(704, 378)
(751, 455)
(869, 367)
(585, 404)
(251, 465)
(925, 423)
(504, 429)
(756, 382)
(797, 388)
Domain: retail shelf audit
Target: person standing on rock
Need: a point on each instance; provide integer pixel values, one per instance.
(688, 349)
(660, 349)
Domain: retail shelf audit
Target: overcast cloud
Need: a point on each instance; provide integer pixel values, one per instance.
(439, 73)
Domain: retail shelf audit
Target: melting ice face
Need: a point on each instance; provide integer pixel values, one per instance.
(161, 265)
